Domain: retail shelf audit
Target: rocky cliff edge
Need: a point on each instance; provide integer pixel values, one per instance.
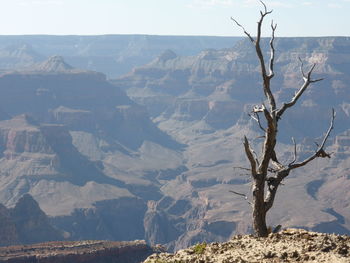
(79, 251)
(290, 245)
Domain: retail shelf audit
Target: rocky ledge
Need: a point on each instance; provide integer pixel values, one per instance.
(78, 251)
(290, 245)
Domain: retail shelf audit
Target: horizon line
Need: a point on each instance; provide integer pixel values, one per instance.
(161, 35)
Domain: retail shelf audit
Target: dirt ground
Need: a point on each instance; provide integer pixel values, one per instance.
(290, 245)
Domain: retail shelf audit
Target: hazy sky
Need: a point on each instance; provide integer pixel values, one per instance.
(171, 17)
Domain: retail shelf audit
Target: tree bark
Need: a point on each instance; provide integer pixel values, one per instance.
(259, 211)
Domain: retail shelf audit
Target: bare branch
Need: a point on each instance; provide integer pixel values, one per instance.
(274, 182)
(265, 8)
(250, 156)
(243, 195)
(295, 153)
(245, 31)
(302, 67)
(242, 168)
(262, 16)
(331, 126)
(307, 82)
(270, 139)
(238, 193)
(256, 157)
(320, 152)
(266, 78)
(272, 50)
(263, 109)
(278, 166)
(311, 70)
(257, 119)
(309, 75)
(316, 80)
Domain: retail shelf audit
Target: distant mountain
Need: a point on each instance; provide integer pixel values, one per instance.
(216, 86)
(113, 55)
(18, 56)
(53, 64)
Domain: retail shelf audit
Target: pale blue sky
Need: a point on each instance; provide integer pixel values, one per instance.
(171, 17)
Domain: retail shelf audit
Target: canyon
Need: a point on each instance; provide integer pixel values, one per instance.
(153, 154)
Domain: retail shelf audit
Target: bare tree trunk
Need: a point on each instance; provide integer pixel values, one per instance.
(259, 211)
(265, 176)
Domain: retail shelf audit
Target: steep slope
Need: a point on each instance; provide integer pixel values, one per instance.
(26, 223)
(73, 143)
(31, 223)
(35, 156)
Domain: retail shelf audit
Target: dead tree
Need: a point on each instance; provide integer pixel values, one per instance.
(267, 172)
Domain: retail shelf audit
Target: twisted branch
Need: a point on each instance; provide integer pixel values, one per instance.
(320, 152)
(272, 49)
(249, 154)
(243, 195)
(307, 81)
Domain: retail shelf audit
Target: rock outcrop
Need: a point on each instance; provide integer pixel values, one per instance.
(53, 64)
(119, 219)
(32, 225)
(79, 251)
(290, 245)
(26, 223)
